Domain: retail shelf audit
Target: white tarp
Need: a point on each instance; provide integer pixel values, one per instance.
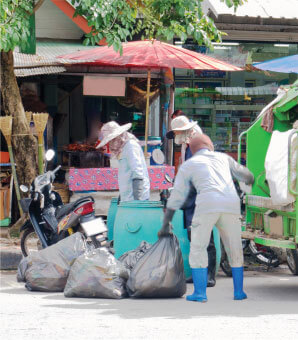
(276, 166)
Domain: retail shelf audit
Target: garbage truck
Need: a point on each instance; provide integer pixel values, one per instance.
(271, 154)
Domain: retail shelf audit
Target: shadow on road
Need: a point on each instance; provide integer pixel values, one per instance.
(268, 294)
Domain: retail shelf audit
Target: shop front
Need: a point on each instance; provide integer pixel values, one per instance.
(226, 103)
(97, 99)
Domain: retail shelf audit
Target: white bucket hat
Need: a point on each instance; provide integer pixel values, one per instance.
(182, 123)
(110, 131)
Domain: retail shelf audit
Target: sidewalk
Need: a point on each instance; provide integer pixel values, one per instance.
(10, 251)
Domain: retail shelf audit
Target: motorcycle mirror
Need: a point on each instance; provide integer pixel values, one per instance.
(168, 178)
(158, 156)
(24, 188)
(49, 155)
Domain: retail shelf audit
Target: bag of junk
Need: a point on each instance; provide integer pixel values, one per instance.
(97, 274)
(47, 270)
(130, 258)
(160, 272)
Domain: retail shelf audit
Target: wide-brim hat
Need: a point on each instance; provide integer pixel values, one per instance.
(180, 123)
(110, 131)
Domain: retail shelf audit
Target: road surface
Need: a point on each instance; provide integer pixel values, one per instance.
(270, 312)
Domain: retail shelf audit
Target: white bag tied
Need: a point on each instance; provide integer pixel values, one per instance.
(276, 166)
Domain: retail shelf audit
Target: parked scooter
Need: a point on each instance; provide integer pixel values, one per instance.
(52, 221)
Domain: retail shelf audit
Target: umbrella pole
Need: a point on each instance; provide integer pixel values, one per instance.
(147, 112)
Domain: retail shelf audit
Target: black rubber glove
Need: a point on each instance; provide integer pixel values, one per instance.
(166, 228)
(137, 189)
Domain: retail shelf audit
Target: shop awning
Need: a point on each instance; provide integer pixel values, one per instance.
(241, 91)
(284, 65)
(44, 61)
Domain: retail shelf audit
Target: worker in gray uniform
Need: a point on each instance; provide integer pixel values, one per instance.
(217, 203)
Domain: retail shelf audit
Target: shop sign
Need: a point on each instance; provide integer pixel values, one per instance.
(210, 74)
(107, 86)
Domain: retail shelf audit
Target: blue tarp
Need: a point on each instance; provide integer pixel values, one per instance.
(285, 64)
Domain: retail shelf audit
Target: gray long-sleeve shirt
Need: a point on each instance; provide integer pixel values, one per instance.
(211, 175)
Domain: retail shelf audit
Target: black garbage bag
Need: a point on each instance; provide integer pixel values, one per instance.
(47, 270)
(22, 267)
(160, 272)
(97, 274)
(130, 258)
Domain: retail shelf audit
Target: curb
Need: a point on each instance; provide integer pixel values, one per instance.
(10, 260)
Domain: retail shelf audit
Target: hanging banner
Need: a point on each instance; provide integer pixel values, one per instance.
(106, 86)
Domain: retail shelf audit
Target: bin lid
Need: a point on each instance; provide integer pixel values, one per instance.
(141, 204)
(150, 138)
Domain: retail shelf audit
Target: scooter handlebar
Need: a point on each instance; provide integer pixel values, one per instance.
(57, 169)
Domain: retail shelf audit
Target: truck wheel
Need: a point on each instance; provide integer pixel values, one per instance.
(30, 242)
(292, 260)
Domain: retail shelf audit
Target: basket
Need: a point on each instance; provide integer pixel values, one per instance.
(62, 190)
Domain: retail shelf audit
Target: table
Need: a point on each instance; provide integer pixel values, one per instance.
(99, 179)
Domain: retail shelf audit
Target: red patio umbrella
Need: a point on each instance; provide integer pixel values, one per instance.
(149, 54)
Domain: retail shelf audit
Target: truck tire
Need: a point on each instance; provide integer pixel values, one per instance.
(292, 260)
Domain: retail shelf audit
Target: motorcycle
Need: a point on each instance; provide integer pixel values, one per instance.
(50, 220)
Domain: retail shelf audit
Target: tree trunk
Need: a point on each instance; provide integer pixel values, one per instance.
(24, 144)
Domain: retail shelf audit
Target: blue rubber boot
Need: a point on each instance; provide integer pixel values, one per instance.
(200, 278)
(237, 273)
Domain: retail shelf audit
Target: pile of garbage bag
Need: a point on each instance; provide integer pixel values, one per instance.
(73, 266)
(97, 274)
(160, 272)
(47, 270)
(130, 258)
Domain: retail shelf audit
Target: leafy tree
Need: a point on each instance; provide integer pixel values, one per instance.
(114, 20)
(14, 31)
(118, 20)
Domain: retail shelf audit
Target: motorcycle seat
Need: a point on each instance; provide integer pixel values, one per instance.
(65, 209)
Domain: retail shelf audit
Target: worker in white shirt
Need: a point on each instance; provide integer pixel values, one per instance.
(217, 203)
(133, 177)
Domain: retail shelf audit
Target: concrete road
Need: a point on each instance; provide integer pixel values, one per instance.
(270, 312)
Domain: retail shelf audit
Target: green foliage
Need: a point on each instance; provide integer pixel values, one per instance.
(14, 23)
(120, 20)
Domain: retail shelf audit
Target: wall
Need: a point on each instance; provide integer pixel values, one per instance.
(52, 23)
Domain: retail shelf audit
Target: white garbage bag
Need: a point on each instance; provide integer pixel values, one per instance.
(276, 166)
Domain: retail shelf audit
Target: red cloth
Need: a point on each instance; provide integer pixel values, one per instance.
(268, 120)
(107, 178)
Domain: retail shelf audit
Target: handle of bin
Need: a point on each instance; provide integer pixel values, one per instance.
(133, 229)
(293, 192)
(239, 145)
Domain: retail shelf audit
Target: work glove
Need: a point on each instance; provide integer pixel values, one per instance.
(166, 228)
(137, 189)
(240, 172)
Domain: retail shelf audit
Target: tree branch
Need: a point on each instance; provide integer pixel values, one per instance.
(36, 7)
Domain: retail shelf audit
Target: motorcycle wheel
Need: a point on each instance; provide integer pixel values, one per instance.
(30, 242)
(292, 260)
(264, 255)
